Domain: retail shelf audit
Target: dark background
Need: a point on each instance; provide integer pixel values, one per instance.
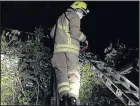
(107, 21)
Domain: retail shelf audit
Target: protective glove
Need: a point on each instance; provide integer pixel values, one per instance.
(86, 42)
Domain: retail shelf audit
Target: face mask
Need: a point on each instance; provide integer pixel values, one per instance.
(80, 14)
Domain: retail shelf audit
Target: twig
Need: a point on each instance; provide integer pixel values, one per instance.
(13, 92)
(37, 92)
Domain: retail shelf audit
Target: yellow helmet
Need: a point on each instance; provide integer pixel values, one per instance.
(80, 5)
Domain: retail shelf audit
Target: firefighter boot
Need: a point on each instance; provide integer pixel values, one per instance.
(64, 100)
(72, 101)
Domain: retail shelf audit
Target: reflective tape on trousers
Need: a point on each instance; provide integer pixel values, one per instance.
(64, 89)
(62, 84)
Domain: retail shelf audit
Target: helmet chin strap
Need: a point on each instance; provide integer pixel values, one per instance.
(80, 14)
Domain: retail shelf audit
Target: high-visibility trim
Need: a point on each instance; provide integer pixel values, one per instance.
(81, 37)
(67, 46)
(69, 39)
(62, 27)
(62, 84)
(66, 50)
(66, 28)
(67, 32)
(63, 89)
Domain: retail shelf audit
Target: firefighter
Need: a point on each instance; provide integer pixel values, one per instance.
(67, 37)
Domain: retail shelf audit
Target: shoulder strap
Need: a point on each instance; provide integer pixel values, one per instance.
(66, 16)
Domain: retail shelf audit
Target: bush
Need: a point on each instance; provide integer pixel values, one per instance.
(26, 70)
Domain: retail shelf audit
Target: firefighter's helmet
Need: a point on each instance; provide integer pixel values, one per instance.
(80, 5)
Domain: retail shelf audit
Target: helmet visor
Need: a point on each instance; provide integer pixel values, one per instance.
(85, 11)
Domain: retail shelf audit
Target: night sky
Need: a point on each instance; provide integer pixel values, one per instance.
(107, 21)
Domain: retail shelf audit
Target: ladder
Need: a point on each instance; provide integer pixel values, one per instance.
(124, 89)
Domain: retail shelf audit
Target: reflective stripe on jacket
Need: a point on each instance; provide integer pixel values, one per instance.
(68, 35)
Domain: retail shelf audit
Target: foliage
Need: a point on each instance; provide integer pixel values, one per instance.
(88, 84)
(93, 91)
(28, 80)
(26, 71)
(119, 54)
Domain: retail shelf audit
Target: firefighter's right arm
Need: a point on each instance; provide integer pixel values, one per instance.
(52, 33)
(75, 29)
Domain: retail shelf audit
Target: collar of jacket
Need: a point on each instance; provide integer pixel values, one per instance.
(71, 10)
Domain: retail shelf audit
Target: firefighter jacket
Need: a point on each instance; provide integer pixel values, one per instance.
(67, 34)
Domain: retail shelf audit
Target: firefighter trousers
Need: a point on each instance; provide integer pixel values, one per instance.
(67, 71)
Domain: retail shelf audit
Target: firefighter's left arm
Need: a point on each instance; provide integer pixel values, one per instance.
(75, 29)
